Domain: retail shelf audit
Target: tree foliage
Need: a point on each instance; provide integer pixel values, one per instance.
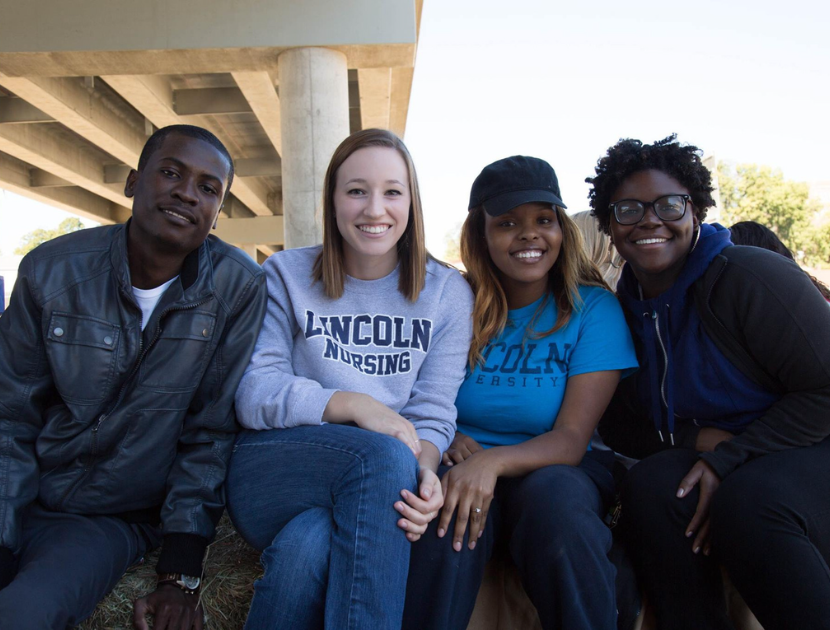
(40, 236)
(760, 193)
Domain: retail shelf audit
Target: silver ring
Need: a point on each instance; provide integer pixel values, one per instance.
(477, 510)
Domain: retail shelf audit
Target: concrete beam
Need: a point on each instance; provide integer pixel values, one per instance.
(258, 167)
(150, 95)
(375, 97)
(399, 105)
(153, 97)
(195, 102)
(37, 146)
(116, 173)
(156, 25)
(258, 89)
(15, 177)
(44, 179)
(69, 102)
(81, 63)
(17, 111)
(251, 231)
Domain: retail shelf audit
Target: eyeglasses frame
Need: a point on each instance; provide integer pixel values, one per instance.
(647, 204)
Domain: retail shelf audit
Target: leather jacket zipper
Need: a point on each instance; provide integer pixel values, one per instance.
(142, 353)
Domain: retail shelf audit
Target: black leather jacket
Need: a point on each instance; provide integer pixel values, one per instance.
(97, 417)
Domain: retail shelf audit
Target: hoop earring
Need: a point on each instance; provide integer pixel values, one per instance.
(697, 238)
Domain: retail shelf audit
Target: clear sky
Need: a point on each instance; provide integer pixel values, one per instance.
(746, 81)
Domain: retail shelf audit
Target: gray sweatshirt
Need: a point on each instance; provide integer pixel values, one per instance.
(411, 357)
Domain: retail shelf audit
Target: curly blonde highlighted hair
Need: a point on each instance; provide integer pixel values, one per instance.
(573, 268)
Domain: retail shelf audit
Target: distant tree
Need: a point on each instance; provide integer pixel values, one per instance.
(40, 236)
(760, 193)
(452, 244)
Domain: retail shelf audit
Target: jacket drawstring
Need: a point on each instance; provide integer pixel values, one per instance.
(651, 348)
(669, 376)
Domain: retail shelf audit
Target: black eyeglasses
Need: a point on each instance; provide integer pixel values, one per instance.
(667, 208)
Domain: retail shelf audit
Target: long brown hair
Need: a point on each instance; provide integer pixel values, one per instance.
(572, 269)
(412, 253)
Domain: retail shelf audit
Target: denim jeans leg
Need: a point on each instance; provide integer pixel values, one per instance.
(355, 475)
(296, 574)
(444, 583)
(560, 545)
(67, 564)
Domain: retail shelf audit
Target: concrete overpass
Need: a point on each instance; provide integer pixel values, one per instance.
(280, 82)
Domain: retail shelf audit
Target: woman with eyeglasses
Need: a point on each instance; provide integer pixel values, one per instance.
(730, 411)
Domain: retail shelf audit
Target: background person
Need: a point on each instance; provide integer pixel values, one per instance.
(757, 235)
(119, 358)
(548, 347)
(348, 399)
(734, 385)
(600, 248)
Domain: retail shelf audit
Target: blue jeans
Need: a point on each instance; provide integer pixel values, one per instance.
(67, 564)
(550, 523)
(318, 500)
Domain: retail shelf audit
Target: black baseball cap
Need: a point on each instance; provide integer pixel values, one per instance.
(515, 180)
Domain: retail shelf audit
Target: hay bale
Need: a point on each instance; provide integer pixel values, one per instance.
(230, 570)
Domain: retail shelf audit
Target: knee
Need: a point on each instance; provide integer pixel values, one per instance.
(648, 492)
(300, 552)
(738, 507)
(388, 463)
(29, 608)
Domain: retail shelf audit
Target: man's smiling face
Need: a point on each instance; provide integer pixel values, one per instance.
(178, 194)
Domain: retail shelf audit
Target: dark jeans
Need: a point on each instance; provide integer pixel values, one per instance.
(550, 522)
(67, 564)
(770, 524)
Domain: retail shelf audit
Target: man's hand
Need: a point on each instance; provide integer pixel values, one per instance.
(172, 609)
(701, 473)
(461, 448)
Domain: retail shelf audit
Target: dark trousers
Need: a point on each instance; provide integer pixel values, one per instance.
(770, 524)
(67, 564)
(550, 523)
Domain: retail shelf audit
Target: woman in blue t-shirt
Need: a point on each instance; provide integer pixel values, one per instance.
(549, 345)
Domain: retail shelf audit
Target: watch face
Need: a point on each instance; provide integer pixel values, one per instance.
(191, 582)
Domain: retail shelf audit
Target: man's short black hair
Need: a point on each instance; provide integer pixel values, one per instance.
(191, 131)
(629, 156)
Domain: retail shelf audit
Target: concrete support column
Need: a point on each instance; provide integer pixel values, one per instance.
(314, 119)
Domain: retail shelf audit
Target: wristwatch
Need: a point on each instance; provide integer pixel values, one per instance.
(187, 583)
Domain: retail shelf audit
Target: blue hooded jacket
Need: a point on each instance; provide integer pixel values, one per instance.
(683, 375)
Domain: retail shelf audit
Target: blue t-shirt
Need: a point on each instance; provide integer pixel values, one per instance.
(517, 393)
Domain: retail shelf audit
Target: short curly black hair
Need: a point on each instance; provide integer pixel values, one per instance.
(629, 156)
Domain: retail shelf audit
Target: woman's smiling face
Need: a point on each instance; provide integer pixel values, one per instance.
(655, 249)
(372, 202)
(524, 244)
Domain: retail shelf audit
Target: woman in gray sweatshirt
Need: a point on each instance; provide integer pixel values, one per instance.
(348, 401)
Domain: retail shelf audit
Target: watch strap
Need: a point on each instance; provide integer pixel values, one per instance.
(180, 581)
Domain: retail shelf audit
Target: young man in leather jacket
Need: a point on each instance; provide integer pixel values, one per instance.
(120, 354)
